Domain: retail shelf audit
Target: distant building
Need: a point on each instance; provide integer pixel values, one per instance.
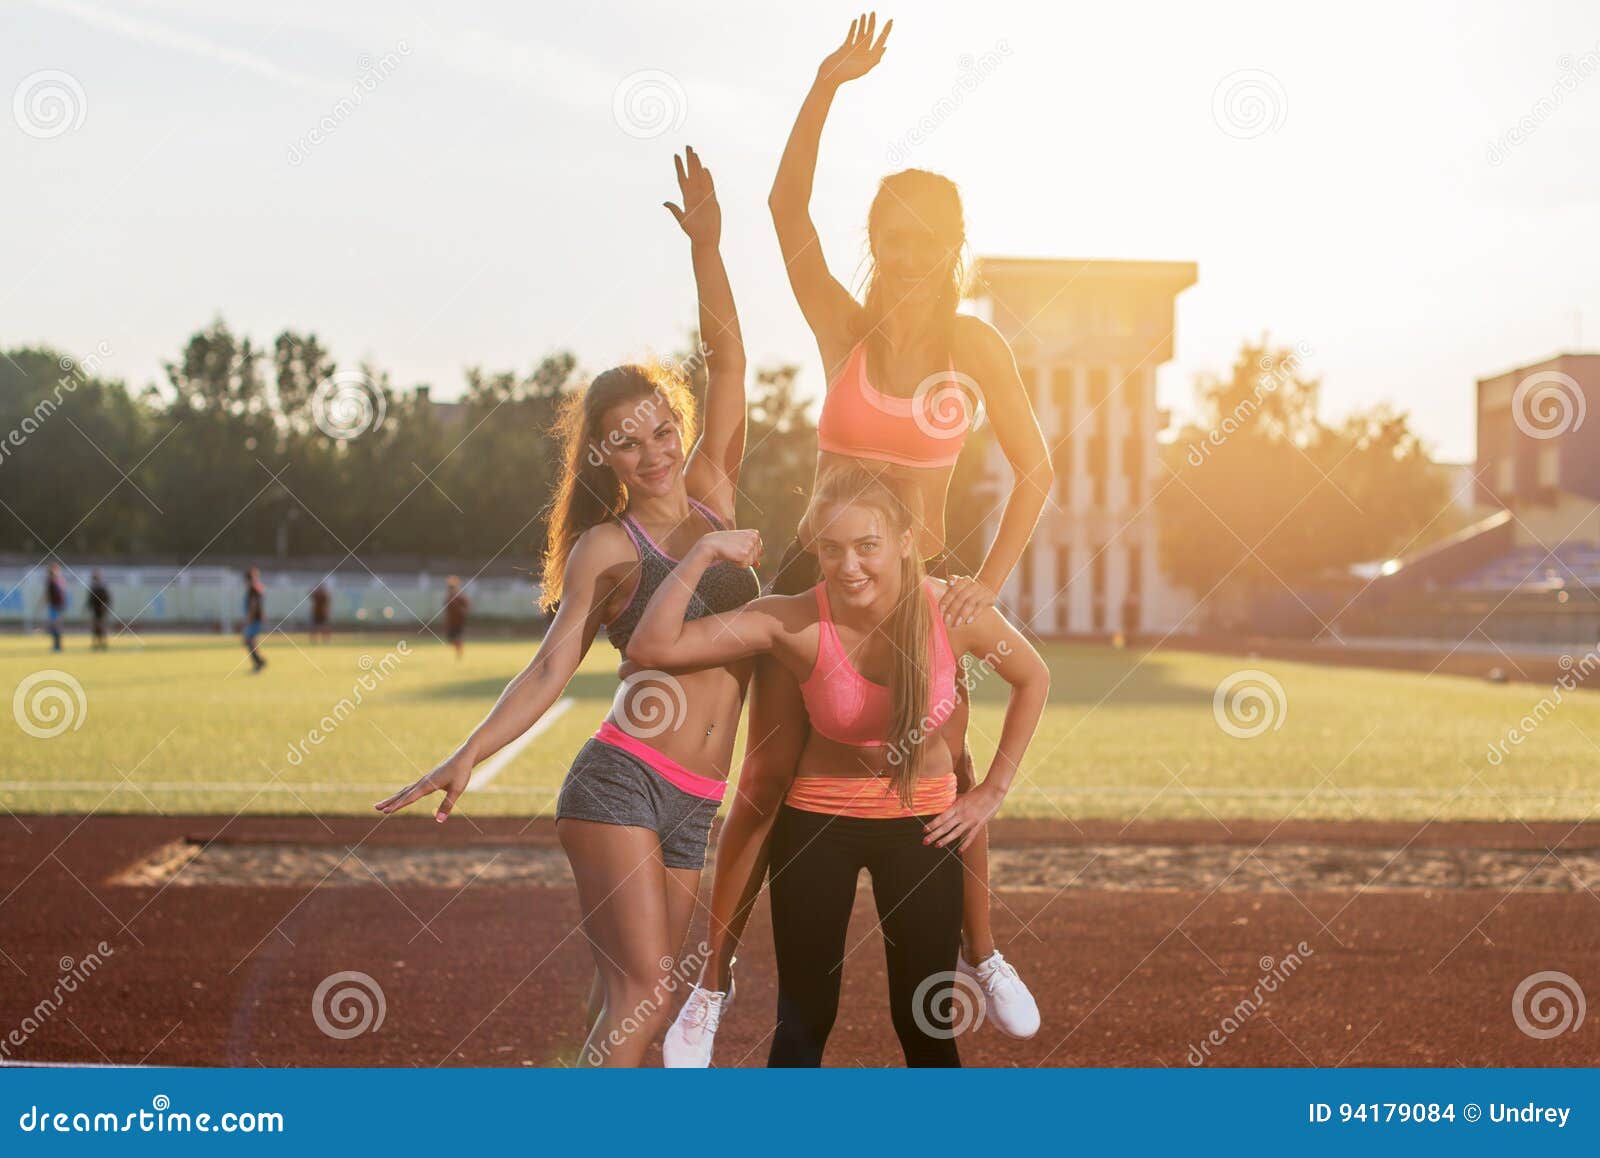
(1088, 336)
(1529, 571)
(1539, 448)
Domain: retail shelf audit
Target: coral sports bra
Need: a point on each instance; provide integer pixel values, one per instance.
(925, 430)
(848, 708)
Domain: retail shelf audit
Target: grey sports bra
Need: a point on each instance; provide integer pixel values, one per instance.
(722, 587)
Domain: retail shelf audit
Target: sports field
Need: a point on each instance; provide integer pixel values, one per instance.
(177, 724)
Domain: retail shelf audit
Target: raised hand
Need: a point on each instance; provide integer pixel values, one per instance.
(859, 53)
(699, 215)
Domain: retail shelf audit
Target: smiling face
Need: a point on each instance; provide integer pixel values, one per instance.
(642, 442)
(910, 260)
(860, 553)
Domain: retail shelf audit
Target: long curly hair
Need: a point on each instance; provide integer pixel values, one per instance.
(589, 492)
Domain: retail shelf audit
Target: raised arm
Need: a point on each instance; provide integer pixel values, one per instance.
(1002, 649)
(529, 695)
(1032, 475)
(662, 639)
(829, 309)
(713, 470)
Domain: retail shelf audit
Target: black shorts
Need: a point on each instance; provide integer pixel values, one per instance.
(798, 570)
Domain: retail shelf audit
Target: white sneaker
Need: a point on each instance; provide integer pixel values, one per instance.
(1011, 1008)
(688, 1043)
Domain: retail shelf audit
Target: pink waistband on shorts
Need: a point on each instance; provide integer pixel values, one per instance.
(664, 766)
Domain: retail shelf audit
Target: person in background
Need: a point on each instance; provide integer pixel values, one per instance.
(99, 607)
(254, 616)
(55, 604)
(456, 606)
(321, 602)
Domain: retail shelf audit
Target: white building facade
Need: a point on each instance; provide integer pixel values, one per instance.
(1088, 336)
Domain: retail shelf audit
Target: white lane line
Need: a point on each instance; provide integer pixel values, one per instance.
(496, 764)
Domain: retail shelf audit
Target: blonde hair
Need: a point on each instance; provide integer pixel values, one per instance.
(910, 623)
(935, 200)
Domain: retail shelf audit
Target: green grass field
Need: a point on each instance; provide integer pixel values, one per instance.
(177, 724)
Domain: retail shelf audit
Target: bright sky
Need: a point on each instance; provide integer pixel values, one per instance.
(483, 205)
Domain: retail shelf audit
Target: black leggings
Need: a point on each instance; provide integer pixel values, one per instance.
(815, 861)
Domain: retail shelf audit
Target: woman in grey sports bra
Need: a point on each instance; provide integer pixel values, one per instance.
(636, 808)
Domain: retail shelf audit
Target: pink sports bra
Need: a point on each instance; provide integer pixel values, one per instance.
(848, 708)
(925, 430)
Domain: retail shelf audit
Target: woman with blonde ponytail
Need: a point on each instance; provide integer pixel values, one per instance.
(906, 374)
(636, 808)
(875, 788)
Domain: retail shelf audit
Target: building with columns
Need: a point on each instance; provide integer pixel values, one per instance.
(1088, 336)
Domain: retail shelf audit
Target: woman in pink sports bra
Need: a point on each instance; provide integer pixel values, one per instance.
(905, 372)
(875, 786)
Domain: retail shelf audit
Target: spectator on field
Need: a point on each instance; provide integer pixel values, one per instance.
(98, 604)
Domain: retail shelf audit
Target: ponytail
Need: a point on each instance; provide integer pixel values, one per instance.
(910, 624)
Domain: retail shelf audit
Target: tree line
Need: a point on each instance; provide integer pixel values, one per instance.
(277, 452)
(246, 453)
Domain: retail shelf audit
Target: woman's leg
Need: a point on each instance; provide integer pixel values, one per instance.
(813, 890)
(626, 896)
(918, 889)
(773, 742)
(977, 931)
(683, 888)
(683, 894)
